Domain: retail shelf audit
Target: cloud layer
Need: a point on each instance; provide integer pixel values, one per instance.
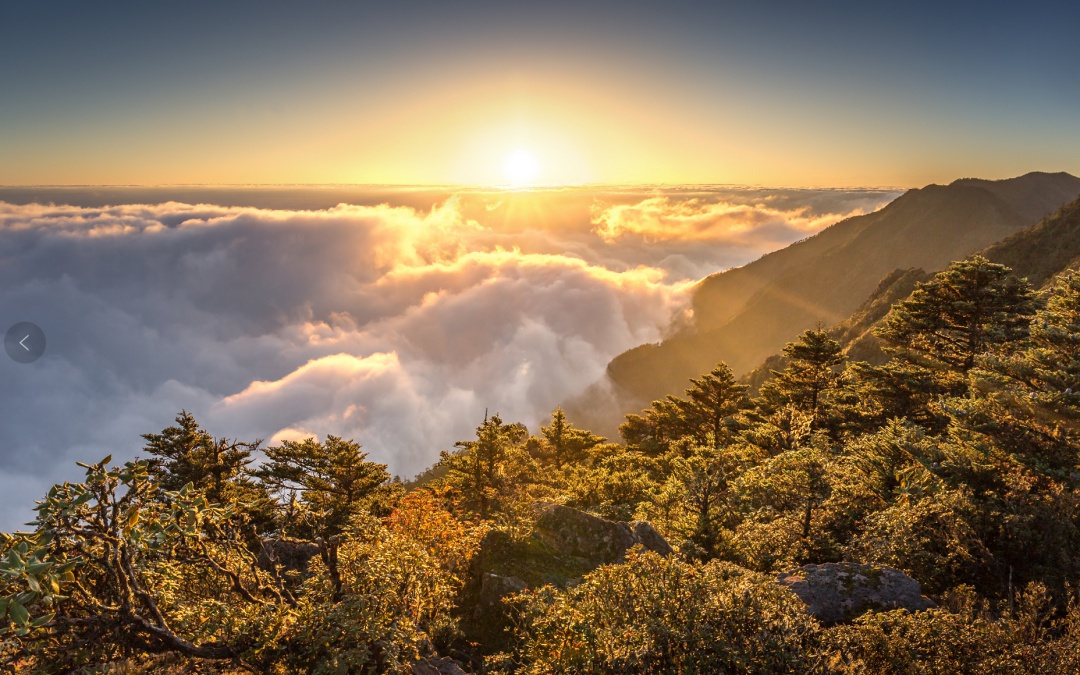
(397, 325)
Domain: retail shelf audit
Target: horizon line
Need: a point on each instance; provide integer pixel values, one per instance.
(463, 186)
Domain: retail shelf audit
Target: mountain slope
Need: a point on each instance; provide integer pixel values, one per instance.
(744, 315)
(1044, 249)
(1038, 253)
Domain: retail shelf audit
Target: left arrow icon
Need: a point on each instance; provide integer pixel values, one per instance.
(24, 342)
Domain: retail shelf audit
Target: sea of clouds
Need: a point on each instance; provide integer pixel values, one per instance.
(395, 320)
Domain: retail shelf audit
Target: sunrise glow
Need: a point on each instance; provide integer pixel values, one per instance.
(520, 168)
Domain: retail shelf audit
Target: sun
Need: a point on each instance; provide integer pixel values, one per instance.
(520, 167)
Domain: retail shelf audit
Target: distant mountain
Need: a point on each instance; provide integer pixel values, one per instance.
(1044, 249)
(744, 315)
(1037, 253)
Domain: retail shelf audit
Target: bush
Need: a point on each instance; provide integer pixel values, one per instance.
(663, 615)
(1030, 640)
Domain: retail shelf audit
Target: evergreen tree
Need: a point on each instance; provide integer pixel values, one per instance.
(711, 406)
(706, 414)
(896, 389)
(566, 443)
(334, 484)
(972, 307)
(1031, 397)
(333, 481)
(811, 373)
(661, 425)
(785, 495)
(476, 468)
(218, 468)
(702, 480)
(801, 399)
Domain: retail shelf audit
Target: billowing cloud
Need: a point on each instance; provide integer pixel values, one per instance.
(750, 225)
(396, 325)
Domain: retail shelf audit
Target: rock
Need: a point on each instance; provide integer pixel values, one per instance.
(839, 592)
(437, 666)
(494, 588)
(579, 534)
(292, 554)
(646, 535)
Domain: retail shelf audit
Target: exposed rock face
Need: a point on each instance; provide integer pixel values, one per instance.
(494, 588)
(838, 592)
(437, 666)
(646, 535)
(598, 541)
(292, 554)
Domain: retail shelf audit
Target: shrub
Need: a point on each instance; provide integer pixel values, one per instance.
(663, 615)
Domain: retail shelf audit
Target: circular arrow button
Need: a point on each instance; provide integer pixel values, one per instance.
(24, 342)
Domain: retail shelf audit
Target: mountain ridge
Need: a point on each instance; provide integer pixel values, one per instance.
(744, 315)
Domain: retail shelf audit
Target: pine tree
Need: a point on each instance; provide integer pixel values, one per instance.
(1030, 398)
(972, 307)
(896, 389)
(180, 454)
(565, 443)
(712, 402)
(476, 468)
(706, 415)
(333, 482)
(799, 400)
(217, 467)
(702, 481)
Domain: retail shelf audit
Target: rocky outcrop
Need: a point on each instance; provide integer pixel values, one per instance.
(839, 592)
(437, 666)
(646, 535)
(293, 555)
(596, 540)
(493, 588)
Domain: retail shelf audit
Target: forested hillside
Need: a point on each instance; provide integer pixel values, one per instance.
(744, 315)
(917, 514)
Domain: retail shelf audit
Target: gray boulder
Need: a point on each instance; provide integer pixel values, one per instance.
(646, 535)
(598, 541)
(839, 592)
(493, 588)
(437, 666)
(291, 554)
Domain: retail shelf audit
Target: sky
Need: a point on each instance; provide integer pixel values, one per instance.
(835, 94)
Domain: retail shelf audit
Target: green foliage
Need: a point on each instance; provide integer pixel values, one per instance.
(811, 375)
(706, 415)
(479, 469)
(333, 481)
(1030, 640)
(1032, 395)
(971, 307)
(894, 390)
(800, 400)
(217, 467)
(933, 538)
(614, 482)
(399, 584)
(565, 444)
(957, 462)
(100, 582)
(784, 496)
(117, 567)
(661, 615)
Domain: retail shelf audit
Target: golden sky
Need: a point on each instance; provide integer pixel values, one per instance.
(780, 95)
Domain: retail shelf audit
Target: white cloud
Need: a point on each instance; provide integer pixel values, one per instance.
(393, 325)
